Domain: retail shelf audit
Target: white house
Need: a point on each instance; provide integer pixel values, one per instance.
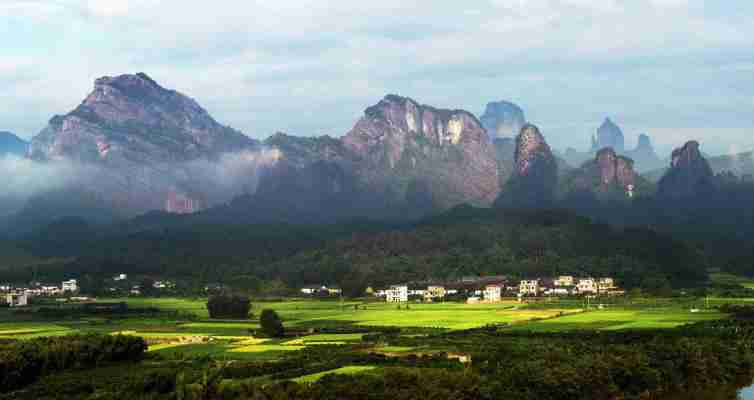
(492, 293)
(397, 294)
(434, 292)
(605, 284)
(529, 287)
(120, 277)
(70, 286)
(586, 285)
(557, 291)
(17, 299)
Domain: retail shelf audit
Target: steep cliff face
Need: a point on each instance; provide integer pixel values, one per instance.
(399, 144)
(12, 144)
(535, 172)
(608, 135)
(502, 119)
(130, 118)
(689, 174)
(607, 176)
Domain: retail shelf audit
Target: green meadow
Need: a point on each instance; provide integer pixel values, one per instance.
(191, 333)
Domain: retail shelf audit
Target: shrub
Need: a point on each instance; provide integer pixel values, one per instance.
(228, 306)
(271, 324)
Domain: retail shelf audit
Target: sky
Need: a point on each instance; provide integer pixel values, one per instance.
(675, 69)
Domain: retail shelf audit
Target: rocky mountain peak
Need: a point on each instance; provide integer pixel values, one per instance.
(532, 151)
(607, 176)
(615, 169)
(690, 174)
(449, 148)
(644, 155)
(644, 143)
(502, 119)
(535, 172)
(609, 135)
(396, 120)
(132, 118)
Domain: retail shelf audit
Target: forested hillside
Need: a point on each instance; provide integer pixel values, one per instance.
(464, 241)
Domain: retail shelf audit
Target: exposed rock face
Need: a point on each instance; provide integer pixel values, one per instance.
(502, 119)
(608, 135)
(12, 144)
(132, 118)
(447, 152)
(607, 176)
(535, 172)
(644, 155)
(505, 150)
(689, 174)
(143, 147)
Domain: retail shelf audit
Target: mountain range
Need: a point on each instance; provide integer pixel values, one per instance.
(610, 135)
(135, 147)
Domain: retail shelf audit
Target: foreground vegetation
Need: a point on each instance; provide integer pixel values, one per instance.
(485, 363)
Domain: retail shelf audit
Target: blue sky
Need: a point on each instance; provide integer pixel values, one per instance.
(675, 69)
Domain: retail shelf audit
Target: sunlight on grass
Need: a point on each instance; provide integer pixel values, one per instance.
(354, 369)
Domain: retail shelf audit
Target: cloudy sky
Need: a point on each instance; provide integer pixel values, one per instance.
(677, 69)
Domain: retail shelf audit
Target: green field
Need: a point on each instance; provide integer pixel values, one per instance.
(353, 369)
(622, 319)
(233, 339)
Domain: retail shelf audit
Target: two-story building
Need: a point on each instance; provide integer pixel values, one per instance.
(528, 287)
(492, 293)
(17, 299)
(70, 285)
(605, 285)
(586, 286)
(434, 292)
(397, 294)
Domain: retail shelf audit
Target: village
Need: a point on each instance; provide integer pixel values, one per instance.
(490, 289)
(69, 290)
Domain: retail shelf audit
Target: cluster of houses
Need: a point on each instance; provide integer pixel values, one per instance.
(20, 296)
(321, 290)
(493, 289)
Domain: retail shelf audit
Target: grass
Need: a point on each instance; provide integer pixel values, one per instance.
(621, 318)
(234, 340)
(729, 279)
(349, 370)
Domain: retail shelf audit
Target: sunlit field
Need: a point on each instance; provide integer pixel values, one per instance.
(191, 333)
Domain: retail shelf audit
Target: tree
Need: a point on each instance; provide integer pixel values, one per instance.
(271, 323)
(228, 306)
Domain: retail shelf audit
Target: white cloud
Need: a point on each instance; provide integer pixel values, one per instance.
(312, 66)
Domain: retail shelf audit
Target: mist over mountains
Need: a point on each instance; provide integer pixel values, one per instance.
(133, 146)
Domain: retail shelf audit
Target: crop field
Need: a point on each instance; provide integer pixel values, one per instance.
(353, 369)
(180, 336)
(622, 319)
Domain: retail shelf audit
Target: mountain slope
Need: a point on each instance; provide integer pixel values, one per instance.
(608, 176)
(11, 144)
(137, 146)
(689, 174)
(399, 143)
(535, 172)
(132, 118)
